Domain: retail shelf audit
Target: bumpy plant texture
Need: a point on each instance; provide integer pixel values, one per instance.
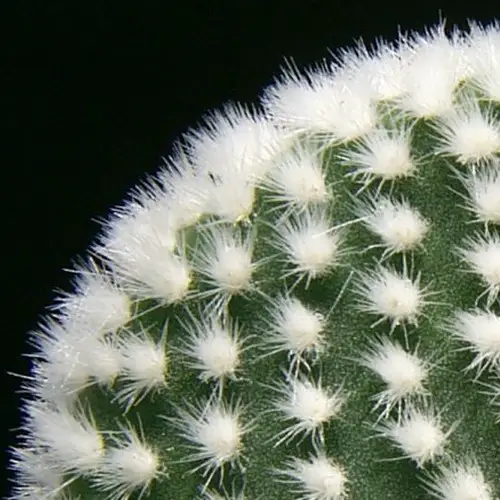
(303, 303)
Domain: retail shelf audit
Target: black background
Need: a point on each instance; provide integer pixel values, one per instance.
(96, 93)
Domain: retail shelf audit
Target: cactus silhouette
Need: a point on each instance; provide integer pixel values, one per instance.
(302, 303)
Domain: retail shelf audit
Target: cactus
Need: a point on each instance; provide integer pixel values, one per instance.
(303, 302)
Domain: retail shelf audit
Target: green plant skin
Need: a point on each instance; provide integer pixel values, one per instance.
(375, 468)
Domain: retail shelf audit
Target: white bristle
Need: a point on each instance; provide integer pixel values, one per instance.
(434, 69)
(469, 134)
(45, 383)
(36, 476)
(484, 59)
(400, 227)
(72, 357)
(392, 295)
(144, 367)
(483, 193)
(322, 102)
(355, 114)
(104, 360)
(294, 328)
(480, 329)
(382, 67)
(185, 195)
(214, 347)
(302, 104)
(403, 373)
(481, 253)
(232, 197)
(74, 443)
(234, 151)
(312, 246)
(236, 139)
(224, 258)
(298, 180)
(147, 216)
(129, 466)
(309, 406)
(64, 370)
(97, 305)
(383, 155)
(458, 480)
(142, 249)
(215, 432)
(418, 434)
(317, 478)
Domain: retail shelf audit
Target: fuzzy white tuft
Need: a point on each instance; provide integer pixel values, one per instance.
(141, 246)
(418, 434)
(294, 328)
(36, 476)
(223, 257)
(383, 155)
(434, 69)
(185, 196)
(298, 180)
(232, 197)
(301, 104)
(72, 357)
(382, 67)
(129, 466)
(97, 305)
(104, 360)
(144, 367)
(482, 255)
(318, 478)
(470, 134)
(480, 329)
(44, 383)
(355, 114)
(215, 433)
(321, 102)
(403, 373)
(146, 216)
(311, 244)
(458, 481)
(392, 295)
(214, 346)
(483, 189)
(63, 369)
(309, 405)
(484, 58)
(236, 139)
(233, 152)
(74, 444)
(400, 227)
